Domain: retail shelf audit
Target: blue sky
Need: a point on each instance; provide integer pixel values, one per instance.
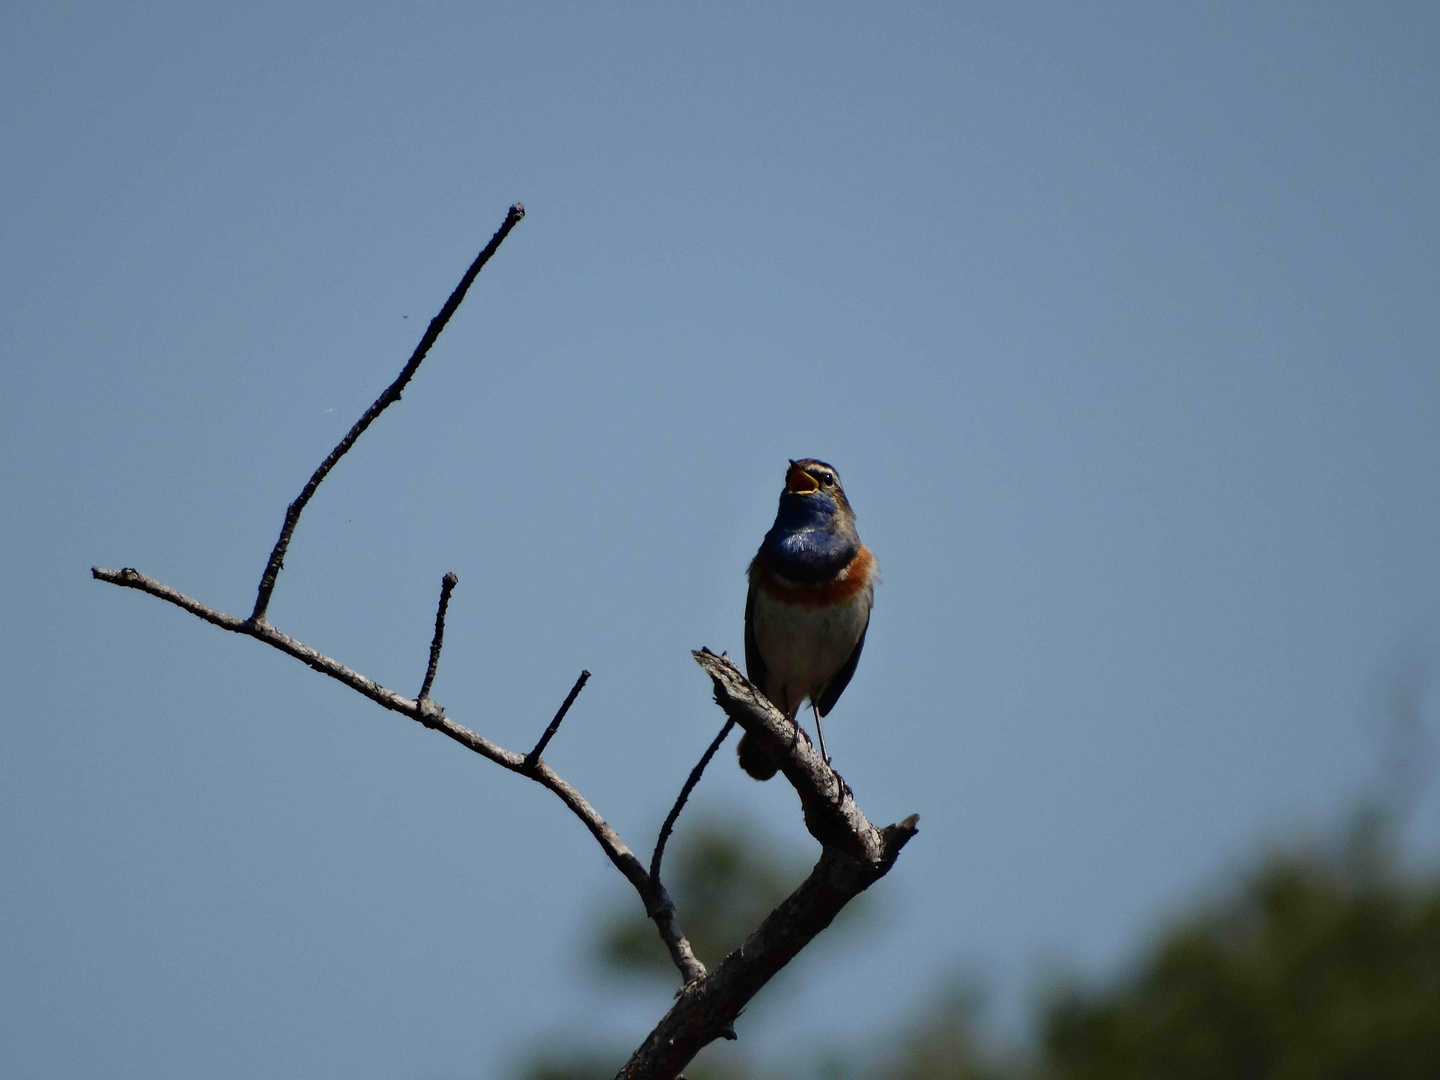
(1120, 323)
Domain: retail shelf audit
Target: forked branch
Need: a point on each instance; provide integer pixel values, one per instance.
(706, 1011)
(854, 854)
(423, 709)
(658, 905)
(388, 397)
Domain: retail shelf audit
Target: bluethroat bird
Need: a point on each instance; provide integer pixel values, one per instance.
(812, 584)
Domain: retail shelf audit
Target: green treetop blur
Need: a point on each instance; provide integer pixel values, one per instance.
(1320, 964)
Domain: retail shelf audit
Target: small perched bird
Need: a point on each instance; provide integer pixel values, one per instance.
(812, 584)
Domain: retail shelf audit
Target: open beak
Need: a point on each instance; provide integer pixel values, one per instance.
(799, 482)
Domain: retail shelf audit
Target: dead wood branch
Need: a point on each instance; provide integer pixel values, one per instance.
(831, 815)
(707, 1010)
(855, 854)
(658, 905)
(423, 709)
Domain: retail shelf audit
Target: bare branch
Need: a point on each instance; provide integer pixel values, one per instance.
(685, 791)
(658, 905)
(384, 401)
(831, 815)
(706, 1011)
(447, 586)
(534, 755)
(855, 853)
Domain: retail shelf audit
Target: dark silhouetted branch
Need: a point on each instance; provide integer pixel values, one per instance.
(534, 755)
(685, 791)
(658, 905)
(831, 815)
(384, 401)
(855, 855)
(706, 1011)
(447, 586)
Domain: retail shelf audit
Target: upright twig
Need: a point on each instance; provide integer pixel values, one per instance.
(447, 586)
(534, 756)
(855, 855)
(384, 401)
(690, 782)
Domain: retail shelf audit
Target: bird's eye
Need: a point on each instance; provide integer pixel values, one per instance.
(828, 479)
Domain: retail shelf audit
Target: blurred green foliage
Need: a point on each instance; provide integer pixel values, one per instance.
(1318, 965)
(945, 1042)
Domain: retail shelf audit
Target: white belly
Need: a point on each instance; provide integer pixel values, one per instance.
(804, 646)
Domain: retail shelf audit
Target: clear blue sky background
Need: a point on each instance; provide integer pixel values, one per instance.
(1120, 322)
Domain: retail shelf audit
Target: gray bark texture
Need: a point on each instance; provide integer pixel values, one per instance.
(854, 855)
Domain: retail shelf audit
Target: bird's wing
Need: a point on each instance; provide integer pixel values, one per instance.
(754, 663)
(842, 677)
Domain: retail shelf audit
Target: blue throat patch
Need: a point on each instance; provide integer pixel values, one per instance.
(806, 543)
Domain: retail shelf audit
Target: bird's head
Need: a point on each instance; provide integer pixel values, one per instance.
(813, 495)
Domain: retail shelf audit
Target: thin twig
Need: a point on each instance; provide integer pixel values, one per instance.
(447, 586)
(685, 791)
(658, 905)
(534, 756)
(384, 401)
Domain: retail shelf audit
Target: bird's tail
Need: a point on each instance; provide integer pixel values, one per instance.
(754, 760)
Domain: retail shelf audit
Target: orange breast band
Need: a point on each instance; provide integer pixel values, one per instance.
(852, 579)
